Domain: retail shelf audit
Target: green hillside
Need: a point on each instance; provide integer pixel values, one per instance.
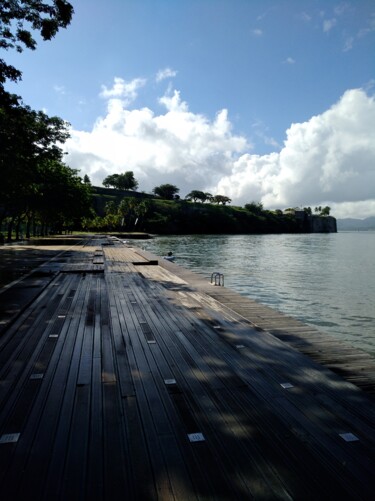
(118, 210)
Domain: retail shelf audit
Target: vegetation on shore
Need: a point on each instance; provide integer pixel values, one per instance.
(38, 192)
(120, 211)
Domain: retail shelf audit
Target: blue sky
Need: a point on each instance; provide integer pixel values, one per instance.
(258, 100)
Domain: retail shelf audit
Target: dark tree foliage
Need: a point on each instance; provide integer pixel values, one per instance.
(125, 181)
(221, 199)
(35, 184)
(325, 211)
(36, 187)
(63, 199)
(166, 191)
(19, 18)
(254, 207)
(27, 138)
(195, 195)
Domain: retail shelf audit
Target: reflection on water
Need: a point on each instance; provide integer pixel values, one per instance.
(326, 280)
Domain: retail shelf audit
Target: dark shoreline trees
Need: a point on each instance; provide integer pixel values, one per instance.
(37, 190)
(35, 183)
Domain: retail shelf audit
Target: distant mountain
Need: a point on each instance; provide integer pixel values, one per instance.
(356, 224)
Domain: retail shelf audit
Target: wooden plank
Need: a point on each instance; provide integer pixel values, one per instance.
(158, 431)
(116, 457)
(69, 360)
(193, 425)
(47, 401)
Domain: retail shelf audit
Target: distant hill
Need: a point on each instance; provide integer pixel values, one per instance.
(182, 217)
(356, 224)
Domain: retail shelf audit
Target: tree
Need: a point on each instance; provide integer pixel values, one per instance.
(29, 142)
(133, 211)
(325, 211)
(19, 17)
(166, 191)
(196, 195)
(254, 207)
(35, 184)
(63, 199)
(221, 199)
(125, 181)
(110, 181)
(86, 179)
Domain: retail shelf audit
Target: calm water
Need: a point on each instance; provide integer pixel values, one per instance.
(325, 280)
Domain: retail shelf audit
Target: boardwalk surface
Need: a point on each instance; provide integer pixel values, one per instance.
(123, 380)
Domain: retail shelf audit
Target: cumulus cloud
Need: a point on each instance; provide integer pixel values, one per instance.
(177, 146)
(126, 91)
(166, 73)
(328, 160)
(257, 32)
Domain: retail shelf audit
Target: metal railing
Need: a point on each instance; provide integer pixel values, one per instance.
(217, 278)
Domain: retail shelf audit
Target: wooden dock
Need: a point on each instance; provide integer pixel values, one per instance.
(354, 365)
(129, 378)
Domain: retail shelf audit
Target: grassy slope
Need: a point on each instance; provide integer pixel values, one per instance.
(182, 217)
(187, 217)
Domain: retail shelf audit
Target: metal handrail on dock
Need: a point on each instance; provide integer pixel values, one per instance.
(217, 278)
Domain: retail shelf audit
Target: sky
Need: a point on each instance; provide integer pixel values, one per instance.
(266, 101)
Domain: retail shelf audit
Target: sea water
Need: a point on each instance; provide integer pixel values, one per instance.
(325, 280)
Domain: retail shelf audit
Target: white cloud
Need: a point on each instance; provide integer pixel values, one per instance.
(348, 45)
(328, 160)
(328, 24)
(369, 28)
(166, 73)
(341, 9)
(126, 91)
(289, 60)
(177, 146)
(304, 16)
(363, 32)
(59, 89)
(257, 32)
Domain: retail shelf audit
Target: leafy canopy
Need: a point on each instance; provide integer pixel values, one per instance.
(18, 18)
(125, 181)
(195, 195)
(166, 191)
(221, 199)
(34, 180)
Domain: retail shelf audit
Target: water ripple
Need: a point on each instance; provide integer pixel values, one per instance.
(326, 280)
